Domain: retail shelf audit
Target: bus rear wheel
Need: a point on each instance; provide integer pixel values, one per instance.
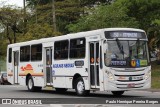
(117, 93)
(80, 87)
(30, 85)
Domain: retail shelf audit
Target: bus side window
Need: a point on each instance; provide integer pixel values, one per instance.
(61, 50)
(36, 52)
(10, 55)
(77, 48)
(25, 53)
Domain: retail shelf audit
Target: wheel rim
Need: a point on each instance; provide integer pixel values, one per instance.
(30, 84)
(80, 87)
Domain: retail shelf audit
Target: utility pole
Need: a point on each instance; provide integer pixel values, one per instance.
(54, 16)
(24, 17)
(36, 11)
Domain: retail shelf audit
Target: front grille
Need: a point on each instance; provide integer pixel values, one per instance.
(130, 75)
(135, 84)
(129, 69)
(129, 85)
(129, 78)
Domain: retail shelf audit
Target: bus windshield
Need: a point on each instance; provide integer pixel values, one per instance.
(126, 53)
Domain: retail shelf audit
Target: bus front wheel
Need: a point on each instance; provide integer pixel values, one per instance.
(80, 87)
(117, 93)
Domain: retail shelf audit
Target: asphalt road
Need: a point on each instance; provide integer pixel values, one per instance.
(50, 98)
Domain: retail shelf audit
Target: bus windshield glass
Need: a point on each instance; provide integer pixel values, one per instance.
(126, 53)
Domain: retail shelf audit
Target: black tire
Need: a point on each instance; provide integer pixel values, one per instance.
(117, 93)
(38, 89)
(30, 85)
(80, 87)
(60, 90)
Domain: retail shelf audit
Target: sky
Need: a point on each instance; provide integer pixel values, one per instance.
(18, 3)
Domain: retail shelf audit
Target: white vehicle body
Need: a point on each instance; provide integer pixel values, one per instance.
(88, 56)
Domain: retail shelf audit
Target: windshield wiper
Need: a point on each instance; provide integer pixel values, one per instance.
(138, 47)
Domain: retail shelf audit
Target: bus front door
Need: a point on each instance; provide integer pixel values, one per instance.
(94, 64)
(16, 59)
(48, 63)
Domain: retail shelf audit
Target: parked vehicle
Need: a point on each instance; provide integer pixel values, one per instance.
(3, 79)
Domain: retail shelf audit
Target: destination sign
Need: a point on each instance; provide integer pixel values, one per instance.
(118, 63)
(124, 34)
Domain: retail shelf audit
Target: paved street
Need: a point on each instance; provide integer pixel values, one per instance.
(16, 91)
(70, 97)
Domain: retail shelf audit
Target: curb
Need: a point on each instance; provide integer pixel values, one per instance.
(152, 90)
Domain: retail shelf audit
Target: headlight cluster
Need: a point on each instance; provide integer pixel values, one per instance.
(147, 75)
(110, 75)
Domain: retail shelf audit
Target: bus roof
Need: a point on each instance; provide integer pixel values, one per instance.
(71, 35)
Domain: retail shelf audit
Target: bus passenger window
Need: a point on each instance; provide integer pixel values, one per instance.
(36, 52)
(25, 53)
(61, 50)
(77, 48)
(10, 55)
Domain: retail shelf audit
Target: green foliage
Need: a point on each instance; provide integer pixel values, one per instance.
(154, 36)
(104, 16)
(37, 2)
(155, 76)
(37, 31)
(3, 45)
(10, 20)
(145, 11)
(67, 11)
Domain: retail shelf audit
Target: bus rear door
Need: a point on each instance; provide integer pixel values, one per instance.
(15, 65)
(48, 66)
(94, 64)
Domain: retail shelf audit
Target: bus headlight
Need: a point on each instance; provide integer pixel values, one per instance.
(147, 75)
(110, 75)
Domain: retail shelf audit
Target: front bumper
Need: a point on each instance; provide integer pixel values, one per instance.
(124, 86)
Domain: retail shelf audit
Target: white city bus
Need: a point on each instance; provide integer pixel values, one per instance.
(110, 59)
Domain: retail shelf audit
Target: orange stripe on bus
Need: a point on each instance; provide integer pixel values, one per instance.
(31, 74)
(10, 74)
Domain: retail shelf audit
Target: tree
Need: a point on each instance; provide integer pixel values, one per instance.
(10, 19)
(144, 11)
(37, 31)
(104, 16)
(67, 11)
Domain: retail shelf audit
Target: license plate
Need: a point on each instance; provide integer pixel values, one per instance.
(132, 85)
